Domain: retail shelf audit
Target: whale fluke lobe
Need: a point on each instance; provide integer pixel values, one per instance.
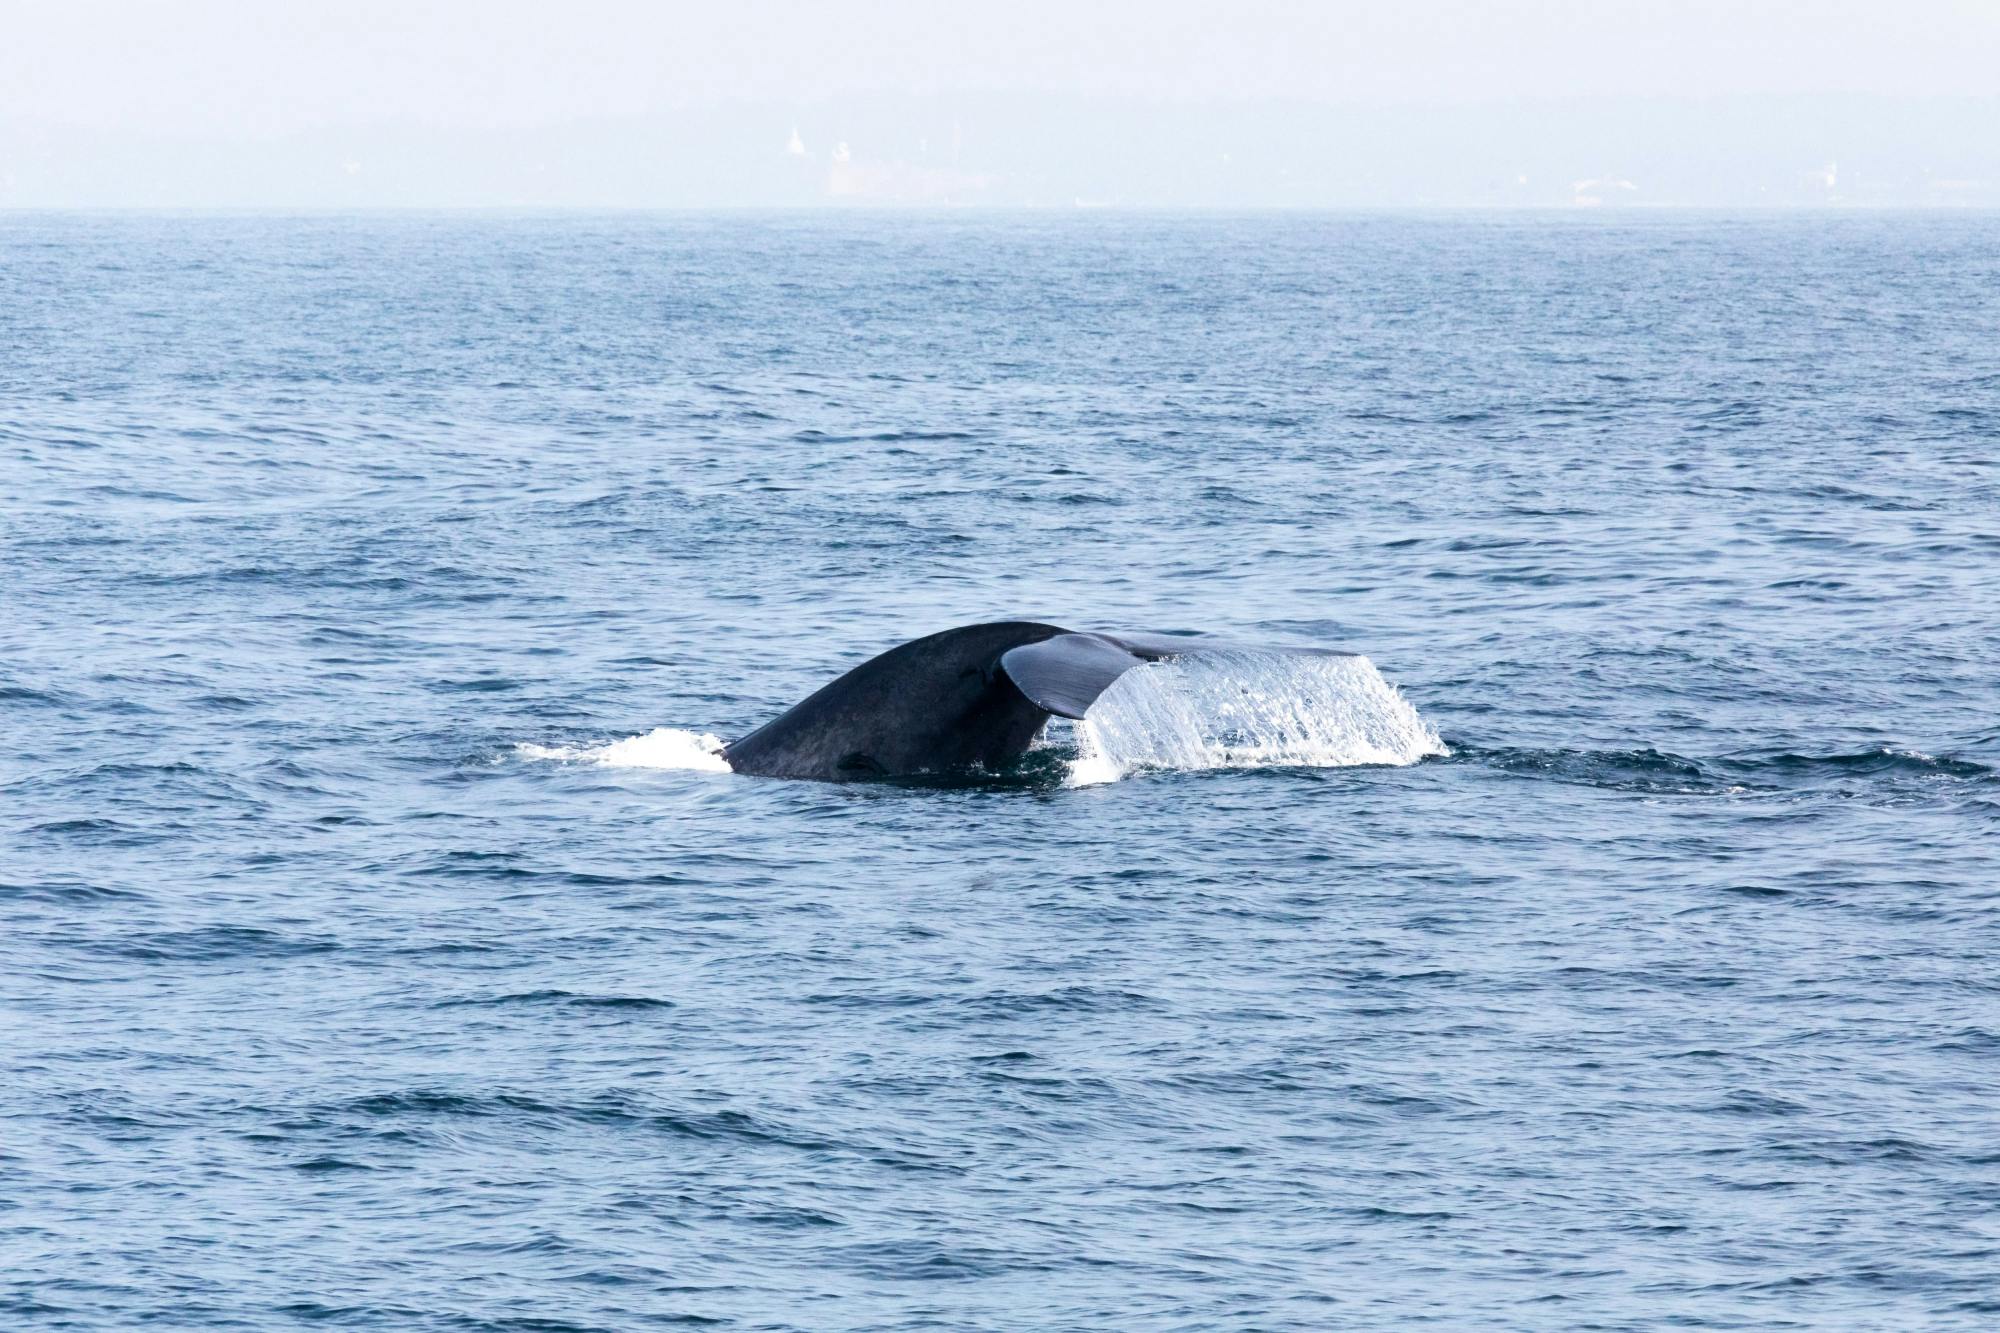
(1065, 674)
(977, 696)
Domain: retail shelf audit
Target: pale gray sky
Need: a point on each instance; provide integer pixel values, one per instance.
(614, 101)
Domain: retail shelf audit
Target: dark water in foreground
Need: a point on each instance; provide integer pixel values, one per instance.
(1668, 998)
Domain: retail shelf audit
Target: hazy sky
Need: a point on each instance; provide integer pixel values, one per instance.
(84, 81)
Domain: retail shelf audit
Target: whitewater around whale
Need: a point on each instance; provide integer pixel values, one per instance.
(1239, 708)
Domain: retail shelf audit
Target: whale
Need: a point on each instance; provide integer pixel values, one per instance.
(967, 699)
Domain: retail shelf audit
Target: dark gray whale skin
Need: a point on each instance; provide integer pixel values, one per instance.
(973, 697)
(933, 704)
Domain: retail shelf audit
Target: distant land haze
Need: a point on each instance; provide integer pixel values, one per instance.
(1027, 103)
(1062, 151)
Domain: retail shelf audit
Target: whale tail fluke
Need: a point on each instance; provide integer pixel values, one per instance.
(977, 696)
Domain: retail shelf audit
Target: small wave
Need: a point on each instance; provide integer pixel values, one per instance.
(1661, 772)
(1249, 709)
(609, 1109)
(70, 892)
(1887, 761)
(662, 747)
(1654, 772)
(218, 943)
(15, 696)
(561, 997)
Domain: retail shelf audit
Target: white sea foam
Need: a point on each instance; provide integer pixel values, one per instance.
(662, 747)
(1249, 710)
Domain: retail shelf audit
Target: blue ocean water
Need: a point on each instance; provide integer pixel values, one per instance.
(344, 982)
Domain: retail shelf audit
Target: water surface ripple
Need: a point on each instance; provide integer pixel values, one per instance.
(1667, 998)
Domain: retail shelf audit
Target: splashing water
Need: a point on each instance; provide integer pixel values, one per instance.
(662, 747)
(1244, 709)
(1236, 709)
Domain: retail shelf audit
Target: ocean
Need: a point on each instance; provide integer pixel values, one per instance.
(1617, 946)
